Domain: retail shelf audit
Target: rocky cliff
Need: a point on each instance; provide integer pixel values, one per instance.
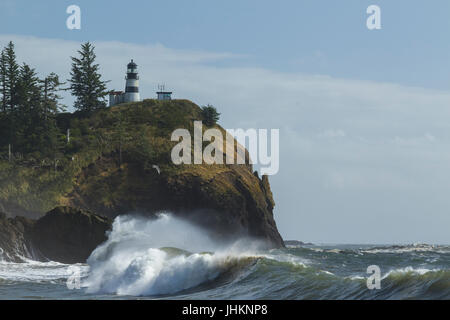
(67, 235)
(64, 235)
(14, 240)
(118, 161)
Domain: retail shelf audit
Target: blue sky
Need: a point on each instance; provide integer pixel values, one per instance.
(324, 37)
(364, 116)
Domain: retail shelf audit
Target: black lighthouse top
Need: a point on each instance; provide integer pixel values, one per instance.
(132, 70)
(132, 65)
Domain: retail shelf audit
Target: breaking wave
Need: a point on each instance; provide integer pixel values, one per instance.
(172, 259)
(158, 257)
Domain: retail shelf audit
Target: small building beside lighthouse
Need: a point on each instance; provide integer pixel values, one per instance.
(131, 93)
(163, 94)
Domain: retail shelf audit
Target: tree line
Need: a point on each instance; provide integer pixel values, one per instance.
(29, 104)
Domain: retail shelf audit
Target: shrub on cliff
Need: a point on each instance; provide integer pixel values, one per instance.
(210, 115)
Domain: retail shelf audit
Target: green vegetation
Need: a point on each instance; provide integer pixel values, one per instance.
(85, 82)
(210, 115)
(30, 106)
(134, 134)
(110, 153)
(29, 109)
(114, 160)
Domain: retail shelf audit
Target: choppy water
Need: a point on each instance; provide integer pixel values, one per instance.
(170, 259)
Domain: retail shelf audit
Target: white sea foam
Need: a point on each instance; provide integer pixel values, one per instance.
(139, 257)
(399, 271)
(33, 271)
(289, 258)
(356, 277)
(409, 270)
(408, 249)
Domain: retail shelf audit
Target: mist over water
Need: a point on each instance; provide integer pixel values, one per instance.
(170, 258)
(155, 257)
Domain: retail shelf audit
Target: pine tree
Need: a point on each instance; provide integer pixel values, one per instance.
(12, 76)
(28, 107)
(85, 83)
(9, 75)
(50, 87)
(28, 91)
(4, 121)
(27, 118)
(3, 83)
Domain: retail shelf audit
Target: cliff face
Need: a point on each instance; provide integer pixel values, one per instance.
(227, 201)
(65, 235)
(108, 168)
(14, 241)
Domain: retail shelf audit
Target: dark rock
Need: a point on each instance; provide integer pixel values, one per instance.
(68, 235)
(227, 200)
(14, 242)
(297, 243)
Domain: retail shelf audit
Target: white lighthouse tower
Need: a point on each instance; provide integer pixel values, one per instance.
(132, 83)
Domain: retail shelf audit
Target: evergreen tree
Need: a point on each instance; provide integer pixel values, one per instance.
(12, 76)
(27, 118)
(4, 121)
(9, 75)
(28, 107)
(51, 85)
(85, 82)
(3, 83)
(51, 106)
(210, 115)
(37, 106)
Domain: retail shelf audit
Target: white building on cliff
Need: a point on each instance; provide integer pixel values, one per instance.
(131, 93)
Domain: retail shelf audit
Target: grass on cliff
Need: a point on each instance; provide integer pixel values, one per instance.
(133, 134)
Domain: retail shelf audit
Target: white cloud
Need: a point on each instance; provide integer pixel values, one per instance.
(332, 133)
(349, 149)
(414, 141)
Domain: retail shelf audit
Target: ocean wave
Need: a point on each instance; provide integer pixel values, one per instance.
(412, 248)
(37, 272)
(409, 271)
(160, 257)
(172, 259)
(388, 249)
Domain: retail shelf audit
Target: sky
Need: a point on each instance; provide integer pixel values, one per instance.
(364, 115)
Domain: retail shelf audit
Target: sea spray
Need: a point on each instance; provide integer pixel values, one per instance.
(160, 256)
(242, 273)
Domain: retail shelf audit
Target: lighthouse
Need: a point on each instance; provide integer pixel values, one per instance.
(132, 83)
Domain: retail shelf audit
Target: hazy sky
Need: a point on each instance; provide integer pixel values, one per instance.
(364, 116)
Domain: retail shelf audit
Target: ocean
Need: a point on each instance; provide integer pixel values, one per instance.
(168, 258)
